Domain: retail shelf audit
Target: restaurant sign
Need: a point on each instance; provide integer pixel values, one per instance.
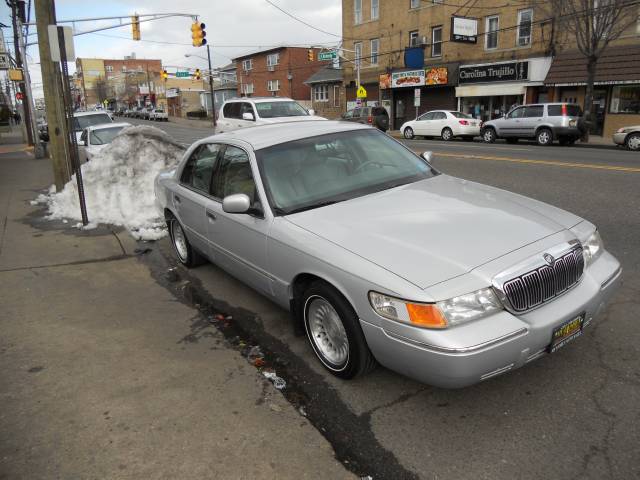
(497, 72)
(411, 78)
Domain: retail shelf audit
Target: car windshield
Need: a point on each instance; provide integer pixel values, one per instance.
(280, 109)
(460, 115)
(84, 121)
(104, 135)
(313, 172)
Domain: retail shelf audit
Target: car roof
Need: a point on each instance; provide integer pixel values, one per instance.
(108, 125)
(260, 99)
(92, 112)
(264, 136)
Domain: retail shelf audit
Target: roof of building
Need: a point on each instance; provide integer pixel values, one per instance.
(273, 49)
(229, 66)
(325, 75)
(616, 65)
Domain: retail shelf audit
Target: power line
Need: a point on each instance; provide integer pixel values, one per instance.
(297, 19)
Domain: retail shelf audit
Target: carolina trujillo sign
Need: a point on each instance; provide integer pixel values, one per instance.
(497, 72)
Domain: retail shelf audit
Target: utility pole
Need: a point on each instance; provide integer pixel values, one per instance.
(59, 148)
(17, 33)
(213, 97)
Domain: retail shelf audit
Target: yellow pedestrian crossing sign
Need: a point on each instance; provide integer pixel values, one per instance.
(361, 93)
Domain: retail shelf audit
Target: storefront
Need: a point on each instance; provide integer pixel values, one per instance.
(490, 90)
(409, 93)
(616, 95)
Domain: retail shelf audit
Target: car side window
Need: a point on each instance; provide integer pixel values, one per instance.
(356, 112)
(439, 116)
(234, 175)
(517, 113)
(199, 168)
(348, 114)
(232, 110)
(534, 111)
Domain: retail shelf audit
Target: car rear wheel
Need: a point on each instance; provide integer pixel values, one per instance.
(408, 133)
(447, 134)
(544, 137)
(489, 135)
(633, 142)
(334, 332)
(184, 251)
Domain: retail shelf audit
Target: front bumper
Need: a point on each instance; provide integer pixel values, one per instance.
(619, 138)
(524, 339)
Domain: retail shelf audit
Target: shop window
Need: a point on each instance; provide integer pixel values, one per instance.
(357, 11)
(491, 30)
(436, 42)
(413, 38)
(375, 47)
(625, 99)
(375, 9)
(525, 18)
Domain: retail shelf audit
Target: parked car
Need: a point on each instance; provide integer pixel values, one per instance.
(254, 111)
(629, 137)
(374, 116)
(445, 124)
(159, 115)
(380, 257)
(82, 120)
(93, 139)
(145, 113)
(544, 122)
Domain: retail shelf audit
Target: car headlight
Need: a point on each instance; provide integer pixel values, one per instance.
(622, 130)
(453, 311)
(592, 248)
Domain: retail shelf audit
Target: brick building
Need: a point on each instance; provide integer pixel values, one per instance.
(327, 94)
(279, 71)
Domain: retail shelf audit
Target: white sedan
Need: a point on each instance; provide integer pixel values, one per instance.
(445, 124)
(95, 138)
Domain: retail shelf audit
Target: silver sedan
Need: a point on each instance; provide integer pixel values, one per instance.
(382, 258)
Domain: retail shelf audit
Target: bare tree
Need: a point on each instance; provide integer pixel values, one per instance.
(101, 89)
(594, 24)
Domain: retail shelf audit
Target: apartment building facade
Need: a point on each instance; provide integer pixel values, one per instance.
(478, 57)
(279, 71)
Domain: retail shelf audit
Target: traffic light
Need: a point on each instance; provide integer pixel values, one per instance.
(135, 27)
(198, 34)
(197, 74)
(165, 75)
(310, 55)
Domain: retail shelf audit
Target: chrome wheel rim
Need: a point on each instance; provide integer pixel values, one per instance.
(446, 134)
(488, 136)
(544, 137)
(634, 142)
(327, 332)
(408, 133)
(179, 241)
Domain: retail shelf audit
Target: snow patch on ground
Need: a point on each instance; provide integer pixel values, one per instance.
(119, 184)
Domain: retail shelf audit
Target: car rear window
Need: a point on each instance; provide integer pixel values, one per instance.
(556, 110)
(460, 115)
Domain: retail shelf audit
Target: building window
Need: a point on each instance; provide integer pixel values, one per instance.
(357, 11)
(336, 95)
(436, 42)
(625, 99)
(321, 93)
(375, 48)
(247, 88)
(358, 49)
(525, 18)
(247, 65)
(375, 9)
(414, 3)
(109, 68)
(413, 38)
(491, 31)
(273, 59)
(273, 85)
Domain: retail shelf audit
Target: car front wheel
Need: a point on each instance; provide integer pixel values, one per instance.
(408, 133)
(334, 332)
(489, 135)
(633, 142)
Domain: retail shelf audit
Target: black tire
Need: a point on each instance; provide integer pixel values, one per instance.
(632, 142)
(446, 134)
(512, 141)
(408, 133)
(359, 359)
(489, 135)
(544, 137)
(188, 256)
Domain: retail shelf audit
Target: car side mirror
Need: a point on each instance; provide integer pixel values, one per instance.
(248, 116)
(312, 111)
(236, 203)
(428, 156)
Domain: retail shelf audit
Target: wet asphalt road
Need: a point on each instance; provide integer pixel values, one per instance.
(571, 415)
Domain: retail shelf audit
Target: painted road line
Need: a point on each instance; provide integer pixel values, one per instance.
(555, 163)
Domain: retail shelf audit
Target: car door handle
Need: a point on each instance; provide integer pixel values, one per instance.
(176, 199)
(211, 216)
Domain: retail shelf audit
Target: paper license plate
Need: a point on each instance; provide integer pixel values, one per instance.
(566, 332)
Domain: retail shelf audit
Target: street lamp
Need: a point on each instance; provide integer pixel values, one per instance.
(213, 98)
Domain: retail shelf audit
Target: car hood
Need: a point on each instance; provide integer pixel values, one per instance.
(301, 118)
(436, 229)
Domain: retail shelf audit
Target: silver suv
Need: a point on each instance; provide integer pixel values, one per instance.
(545, 122)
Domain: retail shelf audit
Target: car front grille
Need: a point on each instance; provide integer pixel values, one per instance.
(543, 284)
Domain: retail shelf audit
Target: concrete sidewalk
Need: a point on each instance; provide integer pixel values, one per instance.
(100, 377)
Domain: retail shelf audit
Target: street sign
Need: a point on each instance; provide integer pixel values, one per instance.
(182, 74)
(15, 75)
(67, 33)
(4, 61)
(323, 56)
(361, 93)
(416, 97)
(2, 48)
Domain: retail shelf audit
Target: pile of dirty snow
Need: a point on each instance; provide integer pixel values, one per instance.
(118, 183)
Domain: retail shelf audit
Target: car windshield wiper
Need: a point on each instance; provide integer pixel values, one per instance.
(311, 207)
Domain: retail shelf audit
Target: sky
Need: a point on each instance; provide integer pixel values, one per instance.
(233, 27)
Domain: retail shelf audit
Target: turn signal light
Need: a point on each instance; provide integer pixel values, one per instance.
(425, 315)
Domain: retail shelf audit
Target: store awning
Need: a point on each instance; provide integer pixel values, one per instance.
(617, 65)
(495, 89)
